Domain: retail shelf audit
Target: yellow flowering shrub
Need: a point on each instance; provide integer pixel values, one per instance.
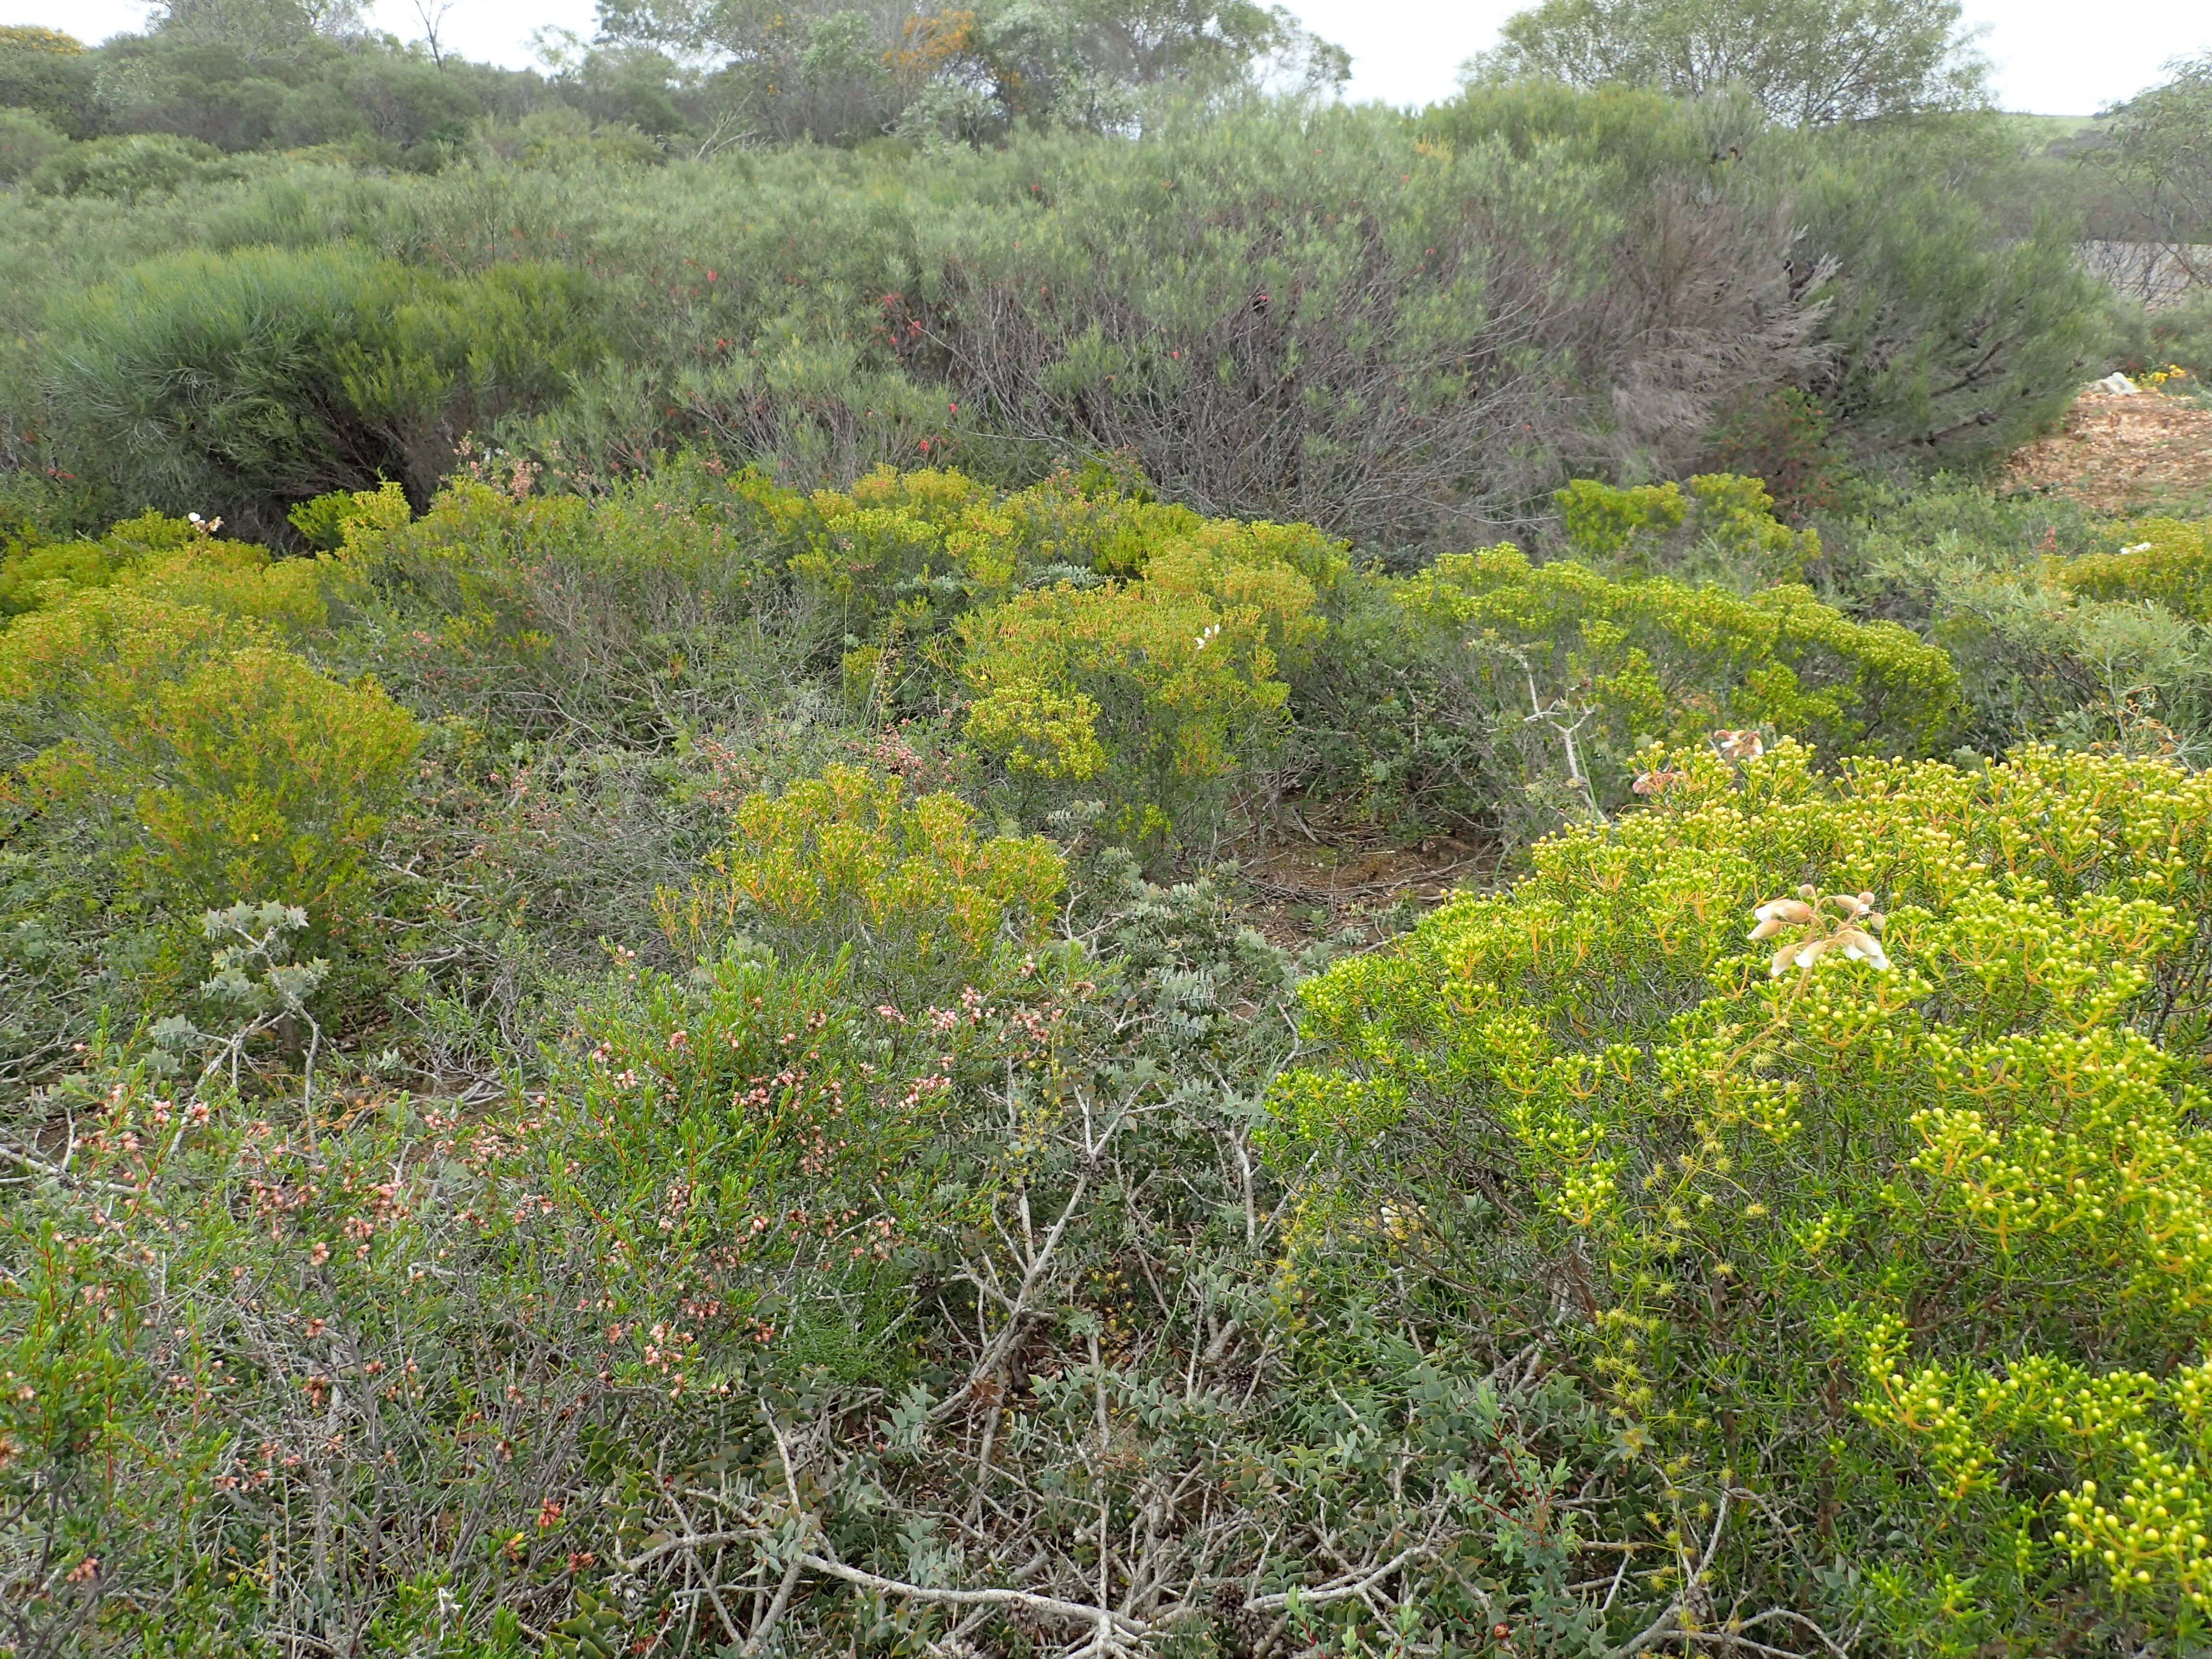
(2168, 559)
(849, 859)
(1135, 693)
(1660, 660)
(632, 614)
(222, 766)
(1844, 1140)
(903, 556)
(172, 559)
(1655, 526)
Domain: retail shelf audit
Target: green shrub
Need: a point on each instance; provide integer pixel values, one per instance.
(1951, 327)
(1150, 699)
(28, 569)
(1886, 1261)
(2065, 628)
(247, 381)
(1491, 691)
(2171, 336)
(323, 521)
(1408, 333)
(1724, 528)
(2164, 560)
(129, 166)
(654, 611)
(26, 141)
(49, 75)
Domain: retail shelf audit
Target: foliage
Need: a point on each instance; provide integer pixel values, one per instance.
(1460, 310)
(1788, 441)
(26, 140)
(735, 1238)
(1724, 527)
(1808, 63)
(164, 751)
(1183, 312)
(829, 74)
(1149, 698)
(689, 1129)
(2163, 559)
(128, 166)
(263, 377)
(1869, 1261)
(28, 569)
(535, 614)
(1952, 338)
(2064, 629)
(226, 765)
(1953, 323)
(2160, 155)
(928, 902)
(1515, 695)
(48, 75)
(261, 75)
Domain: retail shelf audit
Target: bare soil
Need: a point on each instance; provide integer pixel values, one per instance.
(1299, 889)
(2124, 454)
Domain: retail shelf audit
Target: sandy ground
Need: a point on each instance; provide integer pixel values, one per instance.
(2124, 454)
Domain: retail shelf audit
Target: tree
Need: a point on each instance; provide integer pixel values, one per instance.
(257, 27)
(50, 75)
(432, 16)
(2161, 153)
(836, 72)
(1808, 63)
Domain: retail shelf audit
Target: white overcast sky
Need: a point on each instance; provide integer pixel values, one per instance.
(2053, 56)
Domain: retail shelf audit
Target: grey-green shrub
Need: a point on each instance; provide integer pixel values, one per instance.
(240, 383)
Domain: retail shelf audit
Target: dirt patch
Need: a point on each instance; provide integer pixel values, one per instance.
(2124, 454)
(1300, 890)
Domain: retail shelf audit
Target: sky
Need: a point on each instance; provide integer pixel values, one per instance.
(2049, 61)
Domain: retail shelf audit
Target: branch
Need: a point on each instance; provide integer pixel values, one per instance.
(1665, 1624)
(1340, 1590)
(68, 1177)
(1050, 1607)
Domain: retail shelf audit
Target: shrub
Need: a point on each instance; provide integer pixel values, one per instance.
(645, 615)
(1723, 528)
(1945, 335)
(905, 555)
(849, 860)
(1789, 441)
(821, 1272)
(26, 140)
(323, 521)
(129, 166)
(45, 73)
(220, 766)
(2164, 560)
(1951, 341)
(1491, 689)
(1150, 699)
(2064, 628)
(1408, 333)
(247, 381)
(27, 569)
(1874, 1248)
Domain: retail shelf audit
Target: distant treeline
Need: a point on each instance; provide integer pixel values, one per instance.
(257, 254)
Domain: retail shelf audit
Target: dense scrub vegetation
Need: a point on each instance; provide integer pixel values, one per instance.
(1407, 330)
(603, 1066)
(654, 989)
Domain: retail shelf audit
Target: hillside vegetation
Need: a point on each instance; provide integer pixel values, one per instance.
(710, 855)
